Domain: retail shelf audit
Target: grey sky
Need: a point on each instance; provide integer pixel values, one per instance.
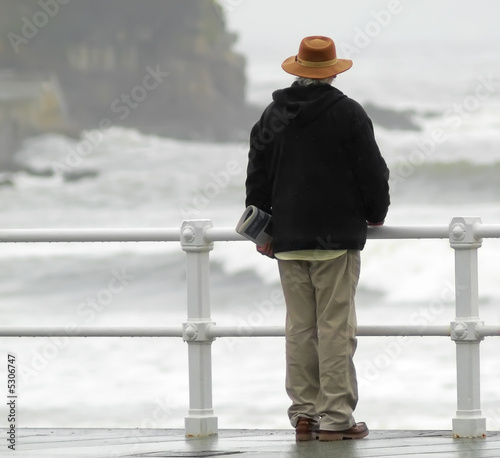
(276, 26)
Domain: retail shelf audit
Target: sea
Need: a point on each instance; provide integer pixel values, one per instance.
(122, 178)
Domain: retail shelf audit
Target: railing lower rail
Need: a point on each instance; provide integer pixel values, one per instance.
(197, 238)
(214, 331)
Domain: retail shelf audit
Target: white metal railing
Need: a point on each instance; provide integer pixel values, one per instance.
(197, 239)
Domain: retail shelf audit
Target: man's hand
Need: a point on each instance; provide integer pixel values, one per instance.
(266, 250)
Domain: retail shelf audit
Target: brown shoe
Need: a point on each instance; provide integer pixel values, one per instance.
(306, 429)
(357, 431)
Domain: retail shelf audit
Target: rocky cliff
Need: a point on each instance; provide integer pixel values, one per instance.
(164, 66)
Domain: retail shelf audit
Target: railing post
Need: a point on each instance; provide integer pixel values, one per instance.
(469, 421)
(200, 420)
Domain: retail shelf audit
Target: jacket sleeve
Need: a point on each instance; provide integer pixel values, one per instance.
(258, 183)
(369, 167)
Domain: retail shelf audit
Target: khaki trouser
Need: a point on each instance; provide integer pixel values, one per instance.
(321, 339)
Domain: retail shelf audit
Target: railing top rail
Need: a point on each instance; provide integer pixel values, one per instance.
(90, 235)
(216, 234)
(409, 232)
(487, 230)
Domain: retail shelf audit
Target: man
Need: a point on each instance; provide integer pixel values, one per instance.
(315, 166)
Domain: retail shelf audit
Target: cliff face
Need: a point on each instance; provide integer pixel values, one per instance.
(164, 66)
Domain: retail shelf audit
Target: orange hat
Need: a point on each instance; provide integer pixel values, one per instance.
(317, 59)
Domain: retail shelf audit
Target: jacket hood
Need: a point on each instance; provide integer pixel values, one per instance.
(305, 103)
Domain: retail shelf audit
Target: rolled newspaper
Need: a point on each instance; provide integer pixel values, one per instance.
(255, 225)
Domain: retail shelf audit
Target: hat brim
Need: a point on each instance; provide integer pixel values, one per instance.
(291, 66)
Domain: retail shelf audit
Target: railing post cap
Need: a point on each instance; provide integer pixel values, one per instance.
(462, 232)
(198, 331)
(466, 331)
(193, 235)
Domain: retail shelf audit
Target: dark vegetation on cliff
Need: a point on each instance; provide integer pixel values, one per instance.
(164, 66)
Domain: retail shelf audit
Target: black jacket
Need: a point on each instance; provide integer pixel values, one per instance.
(315, 166)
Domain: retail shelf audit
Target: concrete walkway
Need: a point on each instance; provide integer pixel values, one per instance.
(107, 443)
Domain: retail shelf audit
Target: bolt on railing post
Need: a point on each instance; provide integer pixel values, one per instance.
(200, 420)
(469, 421)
